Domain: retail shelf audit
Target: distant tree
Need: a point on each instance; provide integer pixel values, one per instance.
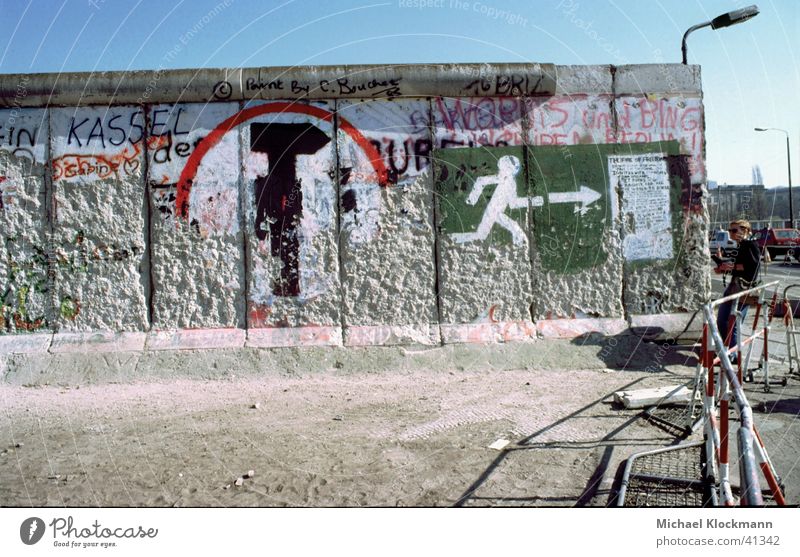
(758, 179)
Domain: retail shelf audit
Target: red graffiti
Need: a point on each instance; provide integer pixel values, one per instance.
(99, 166)
(215, 136)
(644, 114)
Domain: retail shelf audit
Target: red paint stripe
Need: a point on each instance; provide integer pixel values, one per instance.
(215, 136)
(758, 437)
(723, 431)
(710, 382)
(773, 484)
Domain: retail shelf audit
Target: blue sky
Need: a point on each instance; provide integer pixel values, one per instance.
(751, 75)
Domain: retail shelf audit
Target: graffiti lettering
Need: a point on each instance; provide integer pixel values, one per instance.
(512, 85)
(98, 166)
(297, 88)
(398, 157)
(252, 85)
(14, 136)
(101, 131)
(644, 114)
(77, 255)
(28, 279)
(155, 123)
(482, 114)
(343, 86)
(162, 147)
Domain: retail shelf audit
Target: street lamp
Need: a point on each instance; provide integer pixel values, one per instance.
(789, 165)
(724, 20)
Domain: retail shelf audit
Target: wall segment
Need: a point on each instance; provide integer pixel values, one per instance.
(357, 206)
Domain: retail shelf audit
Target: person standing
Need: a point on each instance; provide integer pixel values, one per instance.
(744, 274)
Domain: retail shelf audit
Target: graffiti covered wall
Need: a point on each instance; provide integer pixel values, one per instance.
(358, 211)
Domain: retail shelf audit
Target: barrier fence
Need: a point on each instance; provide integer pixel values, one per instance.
(716, 352)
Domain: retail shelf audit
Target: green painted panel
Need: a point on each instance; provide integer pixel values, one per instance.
(570, 236)
(570, 232)
(498, 214)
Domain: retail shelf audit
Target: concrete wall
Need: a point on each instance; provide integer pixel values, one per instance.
(356, 206)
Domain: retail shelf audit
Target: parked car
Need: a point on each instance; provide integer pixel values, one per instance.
(721, 240)
(779, 242)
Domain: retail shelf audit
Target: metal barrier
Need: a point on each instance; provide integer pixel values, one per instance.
(729, 385)
(791, 333)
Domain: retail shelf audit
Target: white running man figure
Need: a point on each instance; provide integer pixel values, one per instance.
(505, 195)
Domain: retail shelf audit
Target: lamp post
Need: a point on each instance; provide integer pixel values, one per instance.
(789, 167)
(724, 20)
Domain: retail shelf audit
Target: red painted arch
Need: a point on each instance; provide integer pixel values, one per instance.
(190, 170)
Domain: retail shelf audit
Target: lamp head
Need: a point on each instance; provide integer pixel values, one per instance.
(734, 17)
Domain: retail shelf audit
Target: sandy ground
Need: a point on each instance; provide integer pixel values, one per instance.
(343, 438)
(388, 440)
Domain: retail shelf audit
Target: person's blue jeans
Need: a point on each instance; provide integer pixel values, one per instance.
(724, 314)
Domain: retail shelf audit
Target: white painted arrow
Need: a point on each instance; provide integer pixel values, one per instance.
(585, 197)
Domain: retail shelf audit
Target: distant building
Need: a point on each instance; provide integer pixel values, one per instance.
(760, 205)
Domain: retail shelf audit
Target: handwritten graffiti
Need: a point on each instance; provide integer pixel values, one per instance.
(400, 157)
(572, 120)
(583, 119)
(649, 119)
(342, 86)
(658, 114)
(111, 131)
(475, 114)
(376, 87)
(483, 121)
(12, 137)
(98, 166)
(28, 282)
(511, 85)
(164, 147)
(77, 255)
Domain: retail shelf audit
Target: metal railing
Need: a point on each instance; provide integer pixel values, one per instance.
(752, 453)
(793, 353)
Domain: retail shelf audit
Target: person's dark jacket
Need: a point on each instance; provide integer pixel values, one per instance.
(749, 257)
